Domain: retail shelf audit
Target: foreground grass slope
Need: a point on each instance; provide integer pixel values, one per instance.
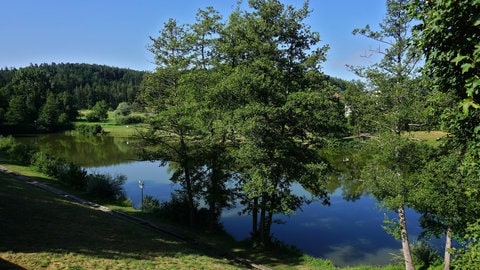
(42, 231)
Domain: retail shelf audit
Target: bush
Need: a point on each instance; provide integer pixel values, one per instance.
(92, 130)
(67, 172)
(6, 143)
(123, 109)
(131, 119)
(176, 210)
(46, 163)
(425, 256)
(106, 187)
(92, 117)
(20, 154)
(99, 112)
(73, 174)
(150, 204)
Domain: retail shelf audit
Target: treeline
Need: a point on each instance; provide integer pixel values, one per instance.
(48, 96)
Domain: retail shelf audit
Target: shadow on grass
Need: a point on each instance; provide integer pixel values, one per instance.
(34, 220)
(38, 221)
(6, 265)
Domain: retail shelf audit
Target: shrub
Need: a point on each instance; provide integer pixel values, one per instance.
(20, 154)
(90, 130)
(123, 109)
(425, 256)
(131, 119)
(6, 143)
(46, 163)
(176, 210)
(73, 174)
(150, 204)
(105, 186)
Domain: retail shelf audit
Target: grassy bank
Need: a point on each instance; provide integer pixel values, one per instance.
(43, 231)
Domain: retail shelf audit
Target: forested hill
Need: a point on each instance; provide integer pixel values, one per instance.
(87, 83)
(24, 92)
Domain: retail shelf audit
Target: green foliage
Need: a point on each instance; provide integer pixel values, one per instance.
(470, 257)
(6, 142)
(150, 204)
(123, 109)
(99, 112)
(72, 174)
(20, 154)
(16, 112)
(425, 256)
(130, 119)
(251, 85)
(91, 130)
(47, 96)
(176, 210)
(46, 163)
(106, 187)
(62, 170)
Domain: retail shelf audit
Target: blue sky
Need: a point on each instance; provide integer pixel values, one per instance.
(116, 32)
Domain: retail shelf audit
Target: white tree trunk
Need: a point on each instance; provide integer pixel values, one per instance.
(448, 246)
(407, 256)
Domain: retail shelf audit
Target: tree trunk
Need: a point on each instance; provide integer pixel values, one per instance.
(255, 218)
(262, 222)
(407, 256)
(448, 246)
(188, 181)
(269, 227)
(191, 205)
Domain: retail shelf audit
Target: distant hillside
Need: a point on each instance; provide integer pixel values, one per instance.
(88, 83)
(24, 92)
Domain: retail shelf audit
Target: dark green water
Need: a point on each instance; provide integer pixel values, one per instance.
(87, 151)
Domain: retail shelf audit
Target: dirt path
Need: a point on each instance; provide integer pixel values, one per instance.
(141, 222)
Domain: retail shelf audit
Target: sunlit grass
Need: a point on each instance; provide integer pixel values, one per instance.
(430, 137)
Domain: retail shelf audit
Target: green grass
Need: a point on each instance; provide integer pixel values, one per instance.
(43, 231)
(430, 137)
(110, 126)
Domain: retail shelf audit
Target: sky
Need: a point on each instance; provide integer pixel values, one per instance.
(116, 32)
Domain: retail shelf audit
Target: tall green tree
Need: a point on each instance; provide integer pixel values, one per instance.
(49, 116)
(449, 37)
(271, 60)
(168, 94)
(31, 85)
(442, 198)
(398, 97)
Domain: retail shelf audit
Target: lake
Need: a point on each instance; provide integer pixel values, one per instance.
(346, 232)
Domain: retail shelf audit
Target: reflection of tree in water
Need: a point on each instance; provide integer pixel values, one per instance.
(346, 163)
(86, 151)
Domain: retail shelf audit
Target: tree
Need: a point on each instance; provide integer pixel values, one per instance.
(280, 108)
(442, 198)
(99, 112)
(397, 94)
(31, 86)
(174, 103)
(16, 112)
(48, 118)
(448, 36)
(123, 109)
